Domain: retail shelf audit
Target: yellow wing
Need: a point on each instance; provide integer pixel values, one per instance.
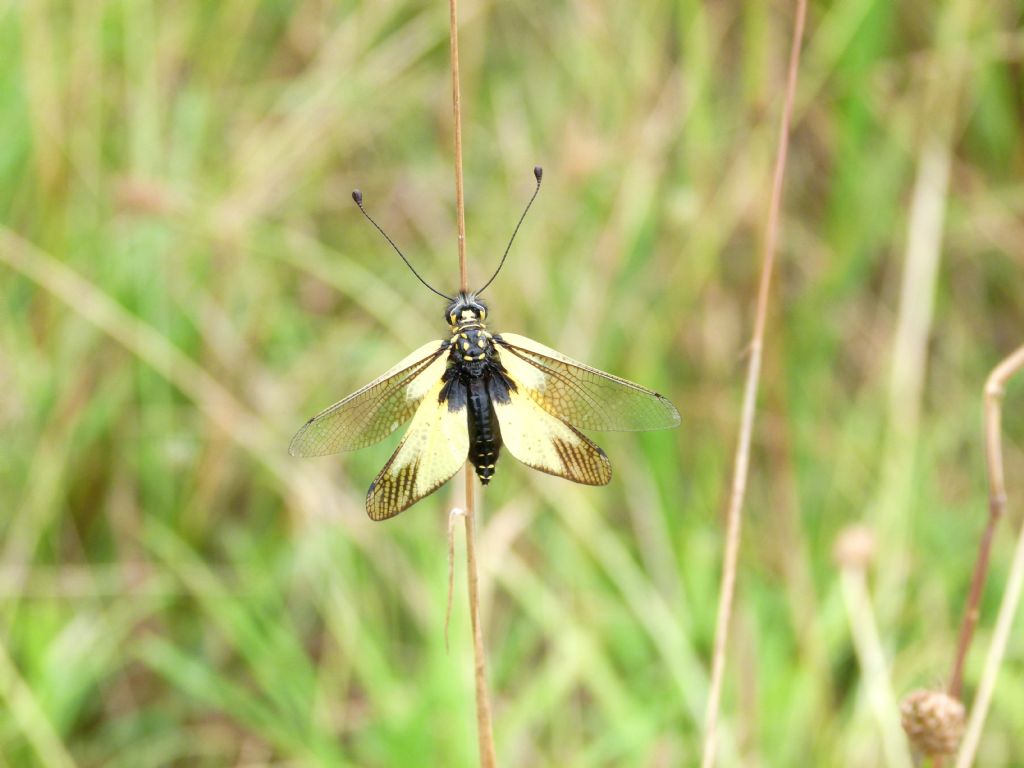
(434, 448)
(547, 443)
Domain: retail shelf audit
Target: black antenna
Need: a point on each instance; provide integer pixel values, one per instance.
(538, 172)
(358, 197)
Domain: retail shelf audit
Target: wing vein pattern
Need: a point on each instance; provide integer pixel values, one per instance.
(581, 395)
(375, 411)
(434, 448)
(545, 442)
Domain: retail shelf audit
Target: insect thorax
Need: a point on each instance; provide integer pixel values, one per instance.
(473, 381)
(471, 346)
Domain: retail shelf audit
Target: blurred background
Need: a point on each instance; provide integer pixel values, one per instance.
(184, 280)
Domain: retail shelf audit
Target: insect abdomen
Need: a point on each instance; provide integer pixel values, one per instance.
(484, 437)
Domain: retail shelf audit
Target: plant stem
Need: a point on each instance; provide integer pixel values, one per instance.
(867, 644)
(994, 390)
(485, 735)
(742, 458)
(483, 706)
(28, 715)
(460, 203)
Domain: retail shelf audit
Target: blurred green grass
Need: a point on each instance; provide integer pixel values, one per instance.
(174, 590)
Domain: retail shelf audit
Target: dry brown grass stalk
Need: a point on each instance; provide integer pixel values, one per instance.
(742, 458)
(483, 706)
(994, 390)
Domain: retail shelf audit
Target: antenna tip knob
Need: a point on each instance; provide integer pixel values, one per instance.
(357, 196)
(538, 172)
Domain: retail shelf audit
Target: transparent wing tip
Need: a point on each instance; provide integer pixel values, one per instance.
(674, 419)
(296, 447)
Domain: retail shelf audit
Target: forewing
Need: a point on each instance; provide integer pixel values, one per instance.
(579, 394)
(544, 442)
(434, 448)
(375, 411)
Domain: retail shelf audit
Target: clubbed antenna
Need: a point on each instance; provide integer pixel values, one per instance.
(538, 173)
(358, 197)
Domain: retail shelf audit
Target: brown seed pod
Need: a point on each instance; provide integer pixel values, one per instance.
(933, 721)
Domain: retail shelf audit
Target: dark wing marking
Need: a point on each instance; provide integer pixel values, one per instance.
(545, 442)
(579, 394)
(375, 411)
(434, 448)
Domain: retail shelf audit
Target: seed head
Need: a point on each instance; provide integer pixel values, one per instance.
(854, 547)
(933, 721)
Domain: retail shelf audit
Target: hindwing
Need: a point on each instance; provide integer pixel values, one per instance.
(434, 448)
(545, 442)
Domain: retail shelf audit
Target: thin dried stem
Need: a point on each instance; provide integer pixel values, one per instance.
(994, 389)
(460, 203)
(454, 515)
(483, 707)
(742, 458)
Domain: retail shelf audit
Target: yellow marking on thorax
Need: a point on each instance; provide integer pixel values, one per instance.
(467, 325)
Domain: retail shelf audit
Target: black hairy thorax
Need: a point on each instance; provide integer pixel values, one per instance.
(473, 380)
